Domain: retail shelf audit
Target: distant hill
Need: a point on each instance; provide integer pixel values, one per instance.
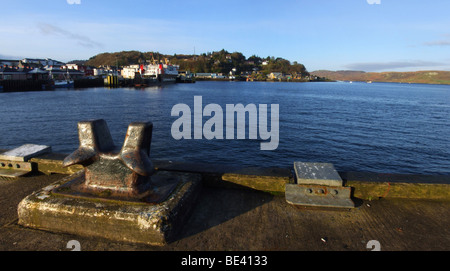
(422, 77)
(123, 58)
(212, 62)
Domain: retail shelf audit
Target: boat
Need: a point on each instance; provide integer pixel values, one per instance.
(64, 83)
(67, 82)
(163, 73)
(158, 73)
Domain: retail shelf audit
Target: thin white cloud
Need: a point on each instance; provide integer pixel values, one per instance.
(438, 43)
(371, 2)
(442, 42)
(72, 2)
(84, 41)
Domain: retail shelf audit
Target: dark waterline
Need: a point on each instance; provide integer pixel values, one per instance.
(379, 127)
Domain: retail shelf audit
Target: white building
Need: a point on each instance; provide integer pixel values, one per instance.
(130, 71)
(71, 66)
(99, 71)
(42, 62)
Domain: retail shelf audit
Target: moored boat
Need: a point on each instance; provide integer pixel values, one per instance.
(163, 73)
(64, 83)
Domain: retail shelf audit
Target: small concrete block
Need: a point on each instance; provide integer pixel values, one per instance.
(152, 224)
(317, 173)
(25, 152)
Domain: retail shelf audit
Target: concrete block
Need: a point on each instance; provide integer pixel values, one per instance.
(317, 173)
(25, 152)
(152, 224)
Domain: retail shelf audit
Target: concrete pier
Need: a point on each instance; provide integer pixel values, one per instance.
(245, 209)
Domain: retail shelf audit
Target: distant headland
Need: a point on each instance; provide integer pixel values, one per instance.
(418, 77)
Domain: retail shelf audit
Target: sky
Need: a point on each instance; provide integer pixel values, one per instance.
(367, 35)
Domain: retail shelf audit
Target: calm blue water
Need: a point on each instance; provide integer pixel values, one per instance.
(379, 127)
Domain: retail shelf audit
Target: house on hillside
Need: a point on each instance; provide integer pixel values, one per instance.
(275, 76)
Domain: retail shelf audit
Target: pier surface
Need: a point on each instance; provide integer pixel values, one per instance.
(238, 217)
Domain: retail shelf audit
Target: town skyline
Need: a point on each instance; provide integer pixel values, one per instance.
(339, 35)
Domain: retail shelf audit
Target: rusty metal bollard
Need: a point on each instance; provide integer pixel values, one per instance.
(118, 195)
(112, 172)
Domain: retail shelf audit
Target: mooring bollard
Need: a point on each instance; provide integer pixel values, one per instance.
(115, 172)
(118, 195)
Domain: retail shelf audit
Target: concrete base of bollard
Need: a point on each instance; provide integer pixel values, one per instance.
(152, 224)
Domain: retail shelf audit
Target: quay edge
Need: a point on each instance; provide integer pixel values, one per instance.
(365, 185)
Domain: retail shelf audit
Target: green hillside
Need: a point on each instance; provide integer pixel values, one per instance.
(421, 77)
(211, 62)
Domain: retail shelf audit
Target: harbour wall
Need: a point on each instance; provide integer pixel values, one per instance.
(39, 85)
(365, 185)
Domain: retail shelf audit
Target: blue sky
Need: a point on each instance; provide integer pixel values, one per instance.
(394, 35)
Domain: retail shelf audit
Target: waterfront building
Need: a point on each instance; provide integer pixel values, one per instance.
(130, 71)
(203, 75)
(13, 73)
(99, 71)
(88, 71)
(57, 73)
(218, 76)
(9, 63)
(42, 62)
(38, 74)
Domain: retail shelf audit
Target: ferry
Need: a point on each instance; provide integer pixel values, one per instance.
(162, 73)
